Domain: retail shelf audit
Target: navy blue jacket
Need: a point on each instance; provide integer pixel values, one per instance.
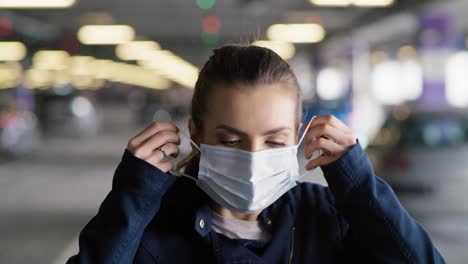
(153, 217)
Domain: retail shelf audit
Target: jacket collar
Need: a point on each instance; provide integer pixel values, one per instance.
(269, 217)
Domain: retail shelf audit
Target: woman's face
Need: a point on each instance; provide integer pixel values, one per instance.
(250, 118)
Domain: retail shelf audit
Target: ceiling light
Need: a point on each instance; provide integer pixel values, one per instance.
(10, 74)
(283, 49)
(372, 3)
(51, 60)
(331, 2)
(135, 50)
(296, 33)
(36, 3)
(346, 3)
(12, 51)
(105, 34)
(173, 67)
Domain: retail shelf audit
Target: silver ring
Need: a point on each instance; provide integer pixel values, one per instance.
(163, 152)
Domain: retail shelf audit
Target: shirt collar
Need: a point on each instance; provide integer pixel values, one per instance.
(267, 218)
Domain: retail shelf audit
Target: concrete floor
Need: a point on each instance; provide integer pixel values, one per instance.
(46, 200)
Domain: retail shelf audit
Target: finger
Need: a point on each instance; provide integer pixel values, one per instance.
(170, 149)
(165, 166)
(329, 147)
(158, 157)
(146, 148)
(161, 138)
(320, 161)
(328, 131)
(152, 129)
(333, 121)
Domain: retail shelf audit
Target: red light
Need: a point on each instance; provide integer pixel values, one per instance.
(6, 27)
(211, 24)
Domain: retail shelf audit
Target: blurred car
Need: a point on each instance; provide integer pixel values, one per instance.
(67, 115)
(19, 133)
(419, 152)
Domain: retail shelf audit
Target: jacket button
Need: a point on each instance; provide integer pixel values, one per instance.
(202, 223)
(268, 222)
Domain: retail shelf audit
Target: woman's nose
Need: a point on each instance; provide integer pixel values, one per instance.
(254, 145)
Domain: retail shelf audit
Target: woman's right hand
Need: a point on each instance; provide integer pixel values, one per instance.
(156, 142)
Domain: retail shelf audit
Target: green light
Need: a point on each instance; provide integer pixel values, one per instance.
(210, 39)
(205, 4)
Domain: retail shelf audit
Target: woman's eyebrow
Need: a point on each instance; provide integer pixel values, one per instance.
(239, 132)
(231, 129)
(276, 130)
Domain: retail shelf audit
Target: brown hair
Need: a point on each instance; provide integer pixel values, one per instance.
(232, 65)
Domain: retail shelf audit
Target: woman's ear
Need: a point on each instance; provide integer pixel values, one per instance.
(194, 133)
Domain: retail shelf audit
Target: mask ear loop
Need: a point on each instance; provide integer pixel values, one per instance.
(305, 130)
(181, 174)
(300, 141)
(191, 141)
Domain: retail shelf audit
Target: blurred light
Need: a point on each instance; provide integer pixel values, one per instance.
(455, 133)
(432, 135)
(6, 27)
(296, 33)
(51, 60)
(135, 50)
(331, 2)
(87, 72)
(105, 34)
(407, 52)
(84, 82)
(412, 79)
(36, 3)
(79, 65)
(173, 67)
(394, 82)
(82, 74)
(35, 78)
(456, 79)
(205, 4)
(283, 49)
(385, 83)
(331, 84)
(212, 40)
(12, 51)
(10, 74)
(134, 75)
(103, 69)
(81, 106)
(372, 3)
(361, 3)
(211, 24)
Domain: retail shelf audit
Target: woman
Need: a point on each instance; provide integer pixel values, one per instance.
(239, 201)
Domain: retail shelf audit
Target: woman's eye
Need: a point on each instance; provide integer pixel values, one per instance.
(230, 142)
(276, 144)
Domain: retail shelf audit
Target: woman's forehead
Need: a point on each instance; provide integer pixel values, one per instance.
(252, 109)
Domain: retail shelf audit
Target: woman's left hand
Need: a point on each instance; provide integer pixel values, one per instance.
(330, 135)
